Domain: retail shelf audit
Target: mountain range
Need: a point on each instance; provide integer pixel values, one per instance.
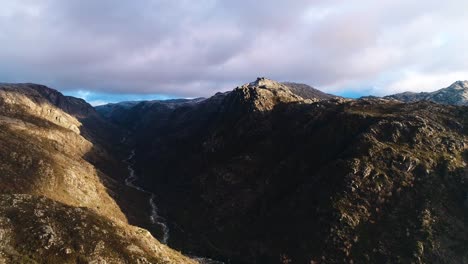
(266, 173)
(455, 94)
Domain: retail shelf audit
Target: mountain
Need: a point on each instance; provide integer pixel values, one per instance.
(259, 174)
(278, 91)
(56, 204)
(307, 92)
(262, 175)
(455, 94)
(128, 113)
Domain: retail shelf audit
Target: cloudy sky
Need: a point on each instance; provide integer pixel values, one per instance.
(111, 50)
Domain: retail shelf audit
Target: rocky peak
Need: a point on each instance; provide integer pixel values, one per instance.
(455, 94)
(459, 85)
(262, 95)
(265, 83)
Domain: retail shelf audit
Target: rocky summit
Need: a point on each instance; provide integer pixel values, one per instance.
(455, 94)
(269, 172)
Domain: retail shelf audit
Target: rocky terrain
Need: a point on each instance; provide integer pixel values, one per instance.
(57, 204)
(35, 229)
(455, 94)
(308, 92)
(262, 175)
(266, 173)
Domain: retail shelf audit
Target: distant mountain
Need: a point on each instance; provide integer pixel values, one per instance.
(308, 92)
(111, 109)
(287, 91)
(455, 94)
(260, 95)
(130, 114)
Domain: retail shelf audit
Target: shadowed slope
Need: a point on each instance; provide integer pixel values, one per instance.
(259, 174)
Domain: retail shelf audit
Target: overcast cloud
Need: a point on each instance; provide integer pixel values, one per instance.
(195, 48)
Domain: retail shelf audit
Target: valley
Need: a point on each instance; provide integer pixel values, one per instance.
(265, 173)
(154, 217)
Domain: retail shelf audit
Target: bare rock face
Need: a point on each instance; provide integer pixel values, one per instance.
(262, 95)
(455, 94)
(16, 100)
(43, 153)
(73, 106)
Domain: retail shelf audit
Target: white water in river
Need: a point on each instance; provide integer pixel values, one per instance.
(154, 216)
(155, 219)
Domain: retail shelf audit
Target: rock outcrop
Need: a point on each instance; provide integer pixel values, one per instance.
(35, 229)
(261, 95)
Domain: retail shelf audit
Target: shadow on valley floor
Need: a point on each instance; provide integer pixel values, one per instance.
(109, 155)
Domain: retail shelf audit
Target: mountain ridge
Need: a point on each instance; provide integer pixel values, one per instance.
(455, 94)
(297, 89)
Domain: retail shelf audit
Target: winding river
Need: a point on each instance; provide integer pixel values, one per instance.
(155, 219)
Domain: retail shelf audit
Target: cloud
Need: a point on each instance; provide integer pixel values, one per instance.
(194, 48)
(98, 102)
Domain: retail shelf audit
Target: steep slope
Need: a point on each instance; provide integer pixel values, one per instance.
(35, 229)
(455, 94)
(307, 92)
(260, 175)
(43, 154)
(76, 107)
